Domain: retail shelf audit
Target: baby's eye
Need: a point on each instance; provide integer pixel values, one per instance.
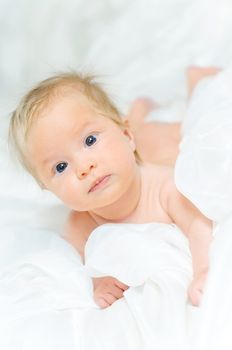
(90, 140)
(61, 167)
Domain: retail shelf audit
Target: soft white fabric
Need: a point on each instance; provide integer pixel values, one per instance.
(144, 46)
(214, 329)
(204, 166)
(154, 260)
(50, 288)
(203, 174)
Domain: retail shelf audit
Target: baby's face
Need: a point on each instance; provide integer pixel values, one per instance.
(85, 159)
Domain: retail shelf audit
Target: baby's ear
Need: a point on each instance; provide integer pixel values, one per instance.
(131, 138)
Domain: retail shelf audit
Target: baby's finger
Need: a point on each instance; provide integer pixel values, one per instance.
(195, 297)
(121, 285)
(109, 298)
(102, 303)
(112, 289)
(116, 291)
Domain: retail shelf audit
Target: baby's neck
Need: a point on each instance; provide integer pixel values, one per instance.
(123, 208)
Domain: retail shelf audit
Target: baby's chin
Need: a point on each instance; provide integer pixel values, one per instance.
(100, 202)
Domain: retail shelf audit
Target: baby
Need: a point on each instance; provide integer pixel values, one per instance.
(70, 136)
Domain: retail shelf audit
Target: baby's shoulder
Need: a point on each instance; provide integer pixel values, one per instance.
(79, 223)
(79, 226)
(157, 184)
(159, 180)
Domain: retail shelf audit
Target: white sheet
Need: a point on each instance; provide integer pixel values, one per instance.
(45, 294)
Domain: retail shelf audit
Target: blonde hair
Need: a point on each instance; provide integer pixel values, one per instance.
(40, 97)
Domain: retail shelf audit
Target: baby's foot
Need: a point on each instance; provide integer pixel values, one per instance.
(140, 108)
(195, 74)
(195, 290)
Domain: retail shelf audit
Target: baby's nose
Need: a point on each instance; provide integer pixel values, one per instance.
(84, 170)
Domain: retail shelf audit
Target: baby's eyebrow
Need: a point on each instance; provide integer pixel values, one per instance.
(49, 159)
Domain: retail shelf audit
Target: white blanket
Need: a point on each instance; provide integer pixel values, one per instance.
(51, 288)
(203, 174)
(204, 167)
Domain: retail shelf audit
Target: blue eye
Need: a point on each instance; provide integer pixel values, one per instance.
(90, 140)
(61, 167)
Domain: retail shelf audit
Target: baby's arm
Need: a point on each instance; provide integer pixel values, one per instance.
(78, 228)
(197, 228)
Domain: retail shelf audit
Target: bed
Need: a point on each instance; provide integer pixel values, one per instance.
(46, 297)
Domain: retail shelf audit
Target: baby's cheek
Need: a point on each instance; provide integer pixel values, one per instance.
(59, 187)
(70, 192)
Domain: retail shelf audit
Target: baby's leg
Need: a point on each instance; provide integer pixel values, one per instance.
(158, 142)
(194, 74)
(139, 110)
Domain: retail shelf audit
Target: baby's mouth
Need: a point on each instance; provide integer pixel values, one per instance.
(99, 183)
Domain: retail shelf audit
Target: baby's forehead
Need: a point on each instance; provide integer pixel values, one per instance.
(71, 99)
(64, 96)
(67, 92)
(69, 89)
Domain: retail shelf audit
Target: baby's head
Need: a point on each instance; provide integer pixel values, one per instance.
(55, 118)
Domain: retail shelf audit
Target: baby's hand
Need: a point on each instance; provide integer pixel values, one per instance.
(195, 289)
(107, 290)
